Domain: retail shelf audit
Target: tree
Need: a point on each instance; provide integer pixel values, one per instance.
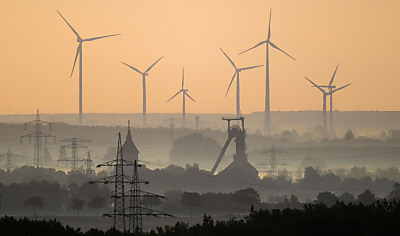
(347, 198)
(395, 192)
(193, 146)
(77, 204)
(247, 197)
(97, 202)
(327, 198)
(34, 202)
(191, 200)
(349, 135)
(366, 198)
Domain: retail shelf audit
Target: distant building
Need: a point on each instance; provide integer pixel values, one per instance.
(129, 149)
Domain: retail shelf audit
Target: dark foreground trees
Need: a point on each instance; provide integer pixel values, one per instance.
(380, 218)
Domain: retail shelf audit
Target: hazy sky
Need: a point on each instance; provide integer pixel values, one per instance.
(37, 51)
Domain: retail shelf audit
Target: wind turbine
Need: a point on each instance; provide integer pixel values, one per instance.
(324, 94)
(267, 42)
(79, 53)
(332, 90)
(144, 74)
(237, 71)
(184, 94)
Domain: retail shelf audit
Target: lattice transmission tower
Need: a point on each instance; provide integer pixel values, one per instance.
(119, 179)
(273, 162)
(38, 135)
(75, 146)
(9, 157)
(136, 210)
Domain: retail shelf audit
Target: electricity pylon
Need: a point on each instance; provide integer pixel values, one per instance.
(136, 211)
(119, 179)
(74, 159)
(38, 135)
(273, 163)
(9, 155)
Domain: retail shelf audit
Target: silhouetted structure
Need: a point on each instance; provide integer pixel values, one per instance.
(79, 53)
(267, 121)
(144, 74)
(184, 94)
(74, 159)
(197, 118)
(240, 167)
(89, 164)
(38, 135)
(119, 179)
(129, 148)
(136, 210)
(273, 163)
(237, 71)
(331, 90)
(9, 156)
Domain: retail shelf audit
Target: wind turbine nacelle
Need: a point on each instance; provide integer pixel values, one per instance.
(79, 40)
(184, 90)
(146, 74)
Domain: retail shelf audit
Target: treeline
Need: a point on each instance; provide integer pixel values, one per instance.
(242, 200)
(53, 198)
(380, 218)
(17, 185)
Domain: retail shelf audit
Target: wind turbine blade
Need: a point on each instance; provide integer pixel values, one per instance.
(233, 77)
(333, 76)
(276, 47)
(340, 88)
(174, 95)
(258, 44)
(92, 39)
(190, 97)
(269, 25)
(183, 76)
(233, 64)
(251, 67)
(76, 57)
(133, 68)
(76, 33)
(153, 65)
(318, 87)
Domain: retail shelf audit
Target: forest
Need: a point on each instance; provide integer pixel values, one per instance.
(378, 218)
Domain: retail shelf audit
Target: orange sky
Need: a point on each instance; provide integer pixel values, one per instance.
(37, 51)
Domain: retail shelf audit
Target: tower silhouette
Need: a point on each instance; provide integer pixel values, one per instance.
(37, 135)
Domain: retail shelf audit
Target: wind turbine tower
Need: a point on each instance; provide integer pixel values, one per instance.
(237, 72)
(144, 74)
(184, 94)
(267, 42)
(79, 53)
(331, 90)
